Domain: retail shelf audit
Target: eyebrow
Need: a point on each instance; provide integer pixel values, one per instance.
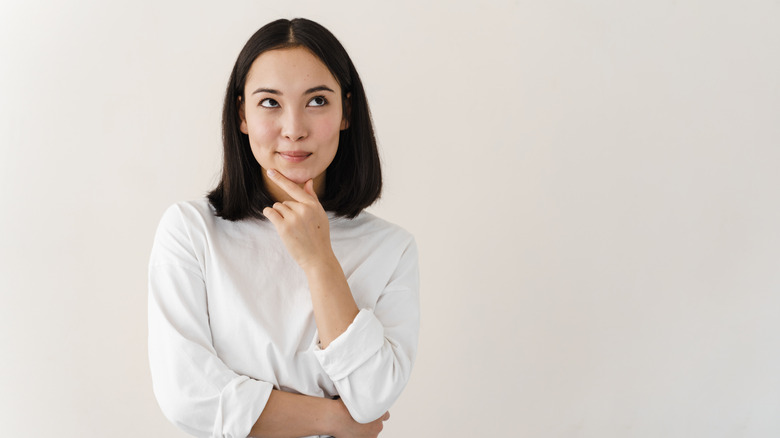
(279, 93)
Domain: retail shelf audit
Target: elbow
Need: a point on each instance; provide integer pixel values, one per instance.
(366, 403)
(189, 417)
(366, 419)
(367, 414)
(368, 408)
(174, 412)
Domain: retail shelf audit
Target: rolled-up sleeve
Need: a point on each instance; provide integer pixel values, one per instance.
(370, 363)
(194, 388)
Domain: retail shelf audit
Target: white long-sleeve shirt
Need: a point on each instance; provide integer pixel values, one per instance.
(230, 319)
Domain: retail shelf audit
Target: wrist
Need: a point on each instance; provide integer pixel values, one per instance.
(323, 266)
(337, 417)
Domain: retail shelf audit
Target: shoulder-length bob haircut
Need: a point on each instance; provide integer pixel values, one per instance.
(353, 180)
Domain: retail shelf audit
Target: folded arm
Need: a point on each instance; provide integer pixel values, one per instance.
(195, 389)
(287, 415)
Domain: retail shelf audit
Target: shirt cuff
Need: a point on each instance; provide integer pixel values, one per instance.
(240, 405)
(361, 340)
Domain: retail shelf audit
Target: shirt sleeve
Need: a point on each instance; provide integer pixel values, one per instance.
(194, 388)
(371, 361)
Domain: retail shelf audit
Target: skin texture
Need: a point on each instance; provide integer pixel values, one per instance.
(294, 415)
(292, 105)
(292, 115)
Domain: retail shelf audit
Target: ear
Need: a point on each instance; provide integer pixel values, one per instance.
(242, 115)
(347, 111)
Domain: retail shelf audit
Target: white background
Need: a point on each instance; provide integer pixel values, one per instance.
(593, 187)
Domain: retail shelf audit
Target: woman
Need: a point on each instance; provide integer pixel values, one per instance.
(277, 306)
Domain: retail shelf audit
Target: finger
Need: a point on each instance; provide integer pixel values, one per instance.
(273, 215)
(288, 186)
(386, 416)
(295, 206)
(283, 209)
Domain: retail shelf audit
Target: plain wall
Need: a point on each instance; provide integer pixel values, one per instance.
(593, 187)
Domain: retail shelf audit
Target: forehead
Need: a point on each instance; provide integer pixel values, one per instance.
(290, 69)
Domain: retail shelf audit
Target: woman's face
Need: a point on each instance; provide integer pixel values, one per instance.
(292, 113)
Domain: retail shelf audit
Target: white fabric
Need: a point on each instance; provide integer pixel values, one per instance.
(230, 318)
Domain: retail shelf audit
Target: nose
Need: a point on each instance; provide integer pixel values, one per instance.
(294, 127)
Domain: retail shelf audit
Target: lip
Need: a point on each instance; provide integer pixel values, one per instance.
(294, 156)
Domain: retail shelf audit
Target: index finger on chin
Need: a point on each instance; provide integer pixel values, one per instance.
(288, 186)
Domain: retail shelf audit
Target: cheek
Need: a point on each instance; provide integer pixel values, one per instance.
(329, 130)
(261, 133)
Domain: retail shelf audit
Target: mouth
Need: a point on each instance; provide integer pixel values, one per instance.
(294, 156)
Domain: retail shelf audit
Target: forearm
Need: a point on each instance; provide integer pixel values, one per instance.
(334, 306)
(373, 364)
(294, 415)
(303, 225)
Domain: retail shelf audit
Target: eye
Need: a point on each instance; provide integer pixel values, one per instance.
(318, 101)
(269, 103)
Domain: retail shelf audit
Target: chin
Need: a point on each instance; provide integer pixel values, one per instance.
(296, 177)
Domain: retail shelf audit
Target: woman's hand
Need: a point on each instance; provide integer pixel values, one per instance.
(347, 427)
(302, 223)
(303, 226)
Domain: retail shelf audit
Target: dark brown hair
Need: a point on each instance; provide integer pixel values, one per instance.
(353, 180)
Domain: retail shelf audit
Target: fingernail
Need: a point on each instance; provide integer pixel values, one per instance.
(271, 172)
